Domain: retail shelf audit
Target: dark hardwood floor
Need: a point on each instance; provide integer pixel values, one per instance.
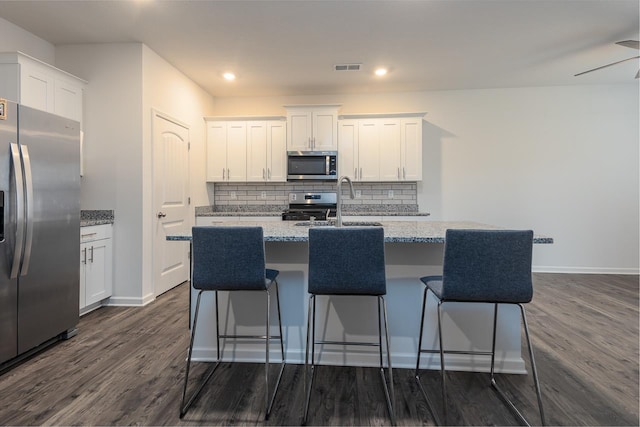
(126, 366)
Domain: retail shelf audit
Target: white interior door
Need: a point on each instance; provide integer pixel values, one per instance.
(171, 201)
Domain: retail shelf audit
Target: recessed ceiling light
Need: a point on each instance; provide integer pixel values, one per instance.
(229, 76)
(381, 71)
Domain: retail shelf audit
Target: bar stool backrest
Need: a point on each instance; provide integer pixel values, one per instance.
(487, 265)
(347, 261)
(228, 258)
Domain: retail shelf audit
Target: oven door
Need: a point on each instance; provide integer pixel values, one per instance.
(306, 165)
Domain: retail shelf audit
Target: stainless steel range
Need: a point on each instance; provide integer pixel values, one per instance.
(303, 206)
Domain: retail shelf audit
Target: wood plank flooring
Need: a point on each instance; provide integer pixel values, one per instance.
(126, 366)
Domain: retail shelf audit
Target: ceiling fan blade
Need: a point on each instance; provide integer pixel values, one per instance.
(605, 66)
(633, 44)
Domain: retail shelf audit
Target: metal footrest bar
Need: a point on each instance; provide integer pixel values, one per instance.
(369, 344)
(477, 353)
(255, 337)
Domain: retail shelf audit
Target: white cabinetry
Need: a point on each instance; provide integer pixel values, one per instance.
(312, 127)
(242, 150)
(96, 253)
(381, 147)
(33, 83)
(266, 151)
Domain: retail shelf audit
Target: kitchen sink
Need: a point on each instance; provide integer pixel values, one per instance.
(333, 224)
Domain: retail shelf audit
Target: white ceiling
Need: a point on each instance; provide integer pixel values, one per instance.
(290, 47)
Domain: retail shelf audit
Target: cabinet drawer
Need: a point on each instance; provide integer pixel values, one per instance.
(95, 232)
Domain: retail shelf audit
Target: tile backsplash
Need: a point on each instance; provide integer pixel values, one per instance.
(277, 194)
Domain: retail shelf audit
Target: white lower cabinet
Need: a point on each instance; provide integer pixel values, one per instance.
(96, 283)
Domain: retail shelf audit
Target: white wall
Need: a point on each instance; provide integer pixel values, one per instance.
(560, 160)
(113, 149)
(14, 38)
(170, 92)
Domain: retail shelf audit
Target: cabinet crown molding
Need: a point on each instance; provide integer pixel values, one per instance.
(314, 106)
(380, 115)
(242, 118)
(14, 58)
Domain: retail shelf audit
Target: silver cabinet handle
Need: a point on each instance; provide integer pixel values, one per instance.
(269, 173)
(228, 174)
(161, 214)
(223, 174)
(398, 173)
(20, 219)
(360, 173)
(404, 173)
(91, 260)
(84, 255)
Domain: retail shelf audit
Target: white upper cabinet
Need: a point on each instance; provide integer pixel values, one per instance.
(266, 151)
(242, 150)
(379, 147)
(33, 83)
(312, 127)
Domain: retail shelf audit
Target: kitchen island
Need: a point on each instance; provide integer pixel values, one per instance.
(412, 249)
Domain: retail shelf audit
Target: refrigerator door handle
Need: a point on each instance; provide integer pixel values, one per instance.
(28, 179)
(17, 170)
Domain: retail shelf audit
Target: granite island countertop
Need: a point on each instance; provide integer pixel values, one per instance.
(394, 231)
(95, 217)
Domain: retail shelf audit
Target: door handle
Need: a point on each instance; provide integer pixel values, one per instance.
(20, 210)
(161, 214)
(28, 180)
(91, 260)
(84, 255)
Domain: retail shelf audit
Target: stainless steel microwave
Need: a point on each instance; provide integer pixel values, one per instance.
(312, 165)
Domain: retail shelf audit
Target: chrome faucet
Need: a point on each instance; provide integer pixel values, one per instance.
(339, 197)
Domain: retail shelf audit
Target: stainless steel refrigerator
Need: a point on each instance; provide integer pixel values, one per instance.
(39, 229)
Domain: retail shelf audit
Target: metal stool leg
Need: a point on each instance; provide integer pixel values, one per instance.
(430, 404)
(311, 329)
(390, 399)
(282, 364)
(502, 395)
(442, 370)
(185, 407)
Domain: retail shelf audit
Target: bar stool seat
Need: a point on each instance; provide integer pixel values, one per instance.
(482, 266)
(347, 261)
(232, 259)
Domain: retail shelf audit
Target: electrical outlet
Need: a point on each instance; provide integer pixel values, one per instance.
(358, 194)
(233, 195)
(263, 195)
(390, 194)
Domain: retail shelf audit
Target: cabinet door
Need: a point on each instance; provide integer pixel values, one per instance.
(256, 151)
(277, 151)
(236, 151)
(411, 149)
(348, 148)
(300, 125)
(325, 128)
(389, 131)
(216, 151)
(83, 272)
(98, 283)
(67, 100)
(368, 150)
(36, 87)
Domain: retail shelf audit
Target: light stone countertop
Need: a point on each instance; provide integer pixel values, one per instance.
(394, 231)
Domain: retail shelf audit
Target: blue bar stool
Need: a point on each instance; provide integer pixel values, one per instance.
(232, 259)
(482, 266)
(347, 261)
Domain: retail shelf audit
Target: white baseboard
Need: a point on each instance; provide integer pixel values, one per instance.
(131, 301)
(584, 270)
(453, 362)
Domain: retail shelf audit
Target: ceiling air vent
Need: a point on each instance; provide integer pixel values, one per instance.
(347, 67)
